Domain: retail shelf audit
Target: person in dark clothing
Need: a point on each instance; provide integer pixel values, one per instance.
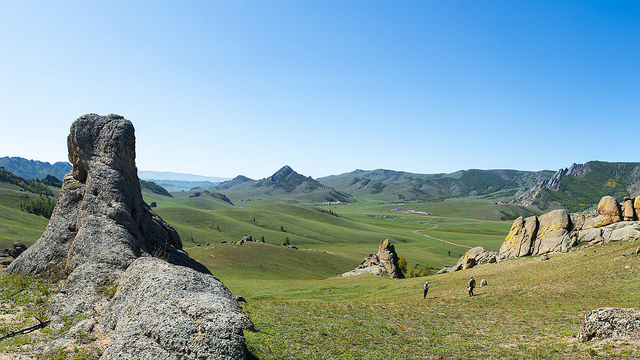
(472, 284)
(425, 287)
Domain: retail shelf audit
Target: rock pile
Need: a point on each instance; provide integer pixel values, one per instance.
(611, 323)
(102, 234)
(475, 256)
(559, 231)
(384, 262)
(7, 255)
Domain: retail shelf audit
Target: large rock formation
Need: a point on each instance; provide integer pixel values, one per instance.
(611, 323)
(100, 227)
(558, 231)
(385, 261)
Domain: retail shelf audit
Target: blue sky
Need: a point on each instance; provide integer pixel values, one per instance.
(222, 88)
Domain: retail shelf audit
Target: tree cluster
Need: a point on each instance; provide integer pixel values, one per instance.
(30, 185)
(42, 207)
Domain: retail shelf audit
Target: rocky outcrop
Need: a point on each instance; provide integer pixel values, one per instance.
(475, 256)
(615, 323)
(529, 196)
(520, 237)
(101, 226)
(558, 231)
(553, 233)
(385, 261)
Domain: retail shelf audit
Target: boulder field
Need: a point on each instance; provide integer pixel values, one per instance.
(102, 235)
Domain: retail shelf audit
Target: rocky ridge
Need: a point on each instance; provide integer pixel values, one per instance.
(528, 196)
(102, 234)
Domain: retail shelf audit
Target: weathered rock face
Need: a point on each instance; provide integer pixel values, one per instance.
(101, 225)
(553, 232)
(180, 311)
(520, 237)
(385, 261)
(558, 231)
(610, 323)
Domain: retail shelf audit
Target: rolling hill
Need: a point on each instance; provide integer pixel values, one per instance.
(390, 185)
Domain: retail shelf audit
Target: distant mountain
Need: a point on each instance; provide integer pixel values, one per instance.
(390, 185)
(178, 185)
(33, 169)
(581, 186)
(284, 184)
(173, 181)
(173, 176)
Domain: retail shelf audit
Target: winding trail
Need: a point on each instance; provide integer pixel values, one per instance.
(417, 232)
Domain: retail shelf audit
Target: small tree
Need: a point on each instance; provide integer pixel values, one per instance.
(402, 264)
(262, 239)
(281, 228)
(286, 241)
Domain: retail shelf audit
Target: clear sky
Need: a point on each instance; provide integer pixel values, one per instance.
(222, 88)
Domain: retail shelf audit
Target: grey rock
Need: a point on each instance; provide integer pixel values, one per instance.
(627, 233)
(483, 282)
(6, 261)
(544, 257)
(163, 311)
(100, 217)
(386, 259)
(102, 235)
(592, 235)
(610, 323)
(18, 248)
(448, 269)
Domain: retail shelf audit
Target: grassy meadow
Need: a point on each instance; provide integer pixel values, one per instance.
(530, 309)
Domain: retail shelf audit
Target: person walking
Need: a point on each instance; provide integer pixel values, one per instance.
(472, 284)
(425, 288)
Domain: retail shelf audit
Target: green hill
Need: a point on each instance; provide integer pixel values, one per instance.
(389, 185)
(33, 169)
(17, 225)
(583, 189)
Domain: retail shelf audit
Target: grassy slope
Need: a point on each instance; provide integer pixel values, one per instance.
(17, 225)
(530, 309)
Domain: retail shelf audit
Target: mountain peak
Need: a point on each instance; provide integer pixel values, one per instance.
(287, 179)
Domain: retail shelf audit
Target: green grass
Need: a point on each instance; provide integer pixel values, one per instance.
(530, 309)
(269, 262)
(17, 225)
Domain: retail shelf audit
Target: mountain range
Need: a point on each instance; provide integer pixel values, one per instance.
(575, 188)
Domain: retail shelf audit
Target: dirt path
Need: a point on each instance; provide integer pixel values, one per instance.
(417, 232)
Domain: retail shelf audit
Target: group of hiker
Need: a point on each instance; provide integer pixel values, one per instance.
(472, 285)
